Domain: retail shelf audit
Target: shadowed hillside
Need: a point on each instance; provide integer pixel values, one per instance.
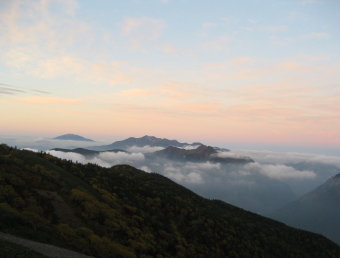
(317, 211)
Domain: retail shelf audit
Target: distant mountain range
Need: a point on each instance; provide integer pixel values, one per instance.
(317, 211)
(72, 137)
(200, 154)
(146, 140)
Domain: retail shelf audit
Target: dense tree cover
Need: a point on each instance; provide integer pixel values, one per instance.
(125, 212)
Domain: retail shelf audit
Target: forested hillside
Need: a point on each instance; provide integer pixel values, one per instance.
(125, 212)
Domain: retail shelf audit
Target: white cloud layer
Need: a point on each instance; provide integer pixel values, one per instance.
(189, 147)
(189, 172)
(259, 186)
(104, 159)
(30, 149)
(285, 157)
(75, 157)
(277, 171)
(144, 149)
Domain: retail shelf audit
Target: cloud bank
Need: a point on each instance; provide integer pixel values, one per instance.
(284, 157)
(277, 171)
(262, 186)
(104, 159)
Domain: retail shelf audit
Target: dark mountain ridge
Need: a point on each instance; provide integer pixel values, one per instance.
(140, 142)
(125, 212)
(85, 152)
(202, 153)
(144, 141)
(317, 211)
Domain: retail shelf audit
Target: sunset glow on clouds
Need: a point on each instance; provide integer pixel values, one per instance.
(248, 71)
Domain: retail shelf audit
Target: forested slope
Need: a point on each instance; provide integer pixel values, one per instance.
(125, 212)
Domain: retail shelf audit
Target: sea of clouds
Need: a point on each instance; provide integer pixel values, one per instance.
(274, 179)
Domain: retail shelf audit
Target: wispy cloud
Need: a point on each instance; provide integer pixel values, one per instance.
(315, 35)
(142, 30)
(8, 90)
(276, 29)
(285, 40)
(50, 100)
(219, 44)
(309, 2)
(31, 43)
(107, 73)
(41, 91)
(209, 25)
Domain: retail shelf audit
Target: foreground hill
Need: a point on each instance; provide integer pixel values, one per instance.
(125, 212)
(72, 137)
(317, 211)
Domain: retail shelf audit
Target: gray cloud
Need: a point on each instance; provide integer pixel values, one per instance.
(41, 91)
(9, 90)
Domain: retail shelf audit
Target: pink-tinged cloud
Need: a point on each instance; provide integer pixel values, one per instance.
(50, 100)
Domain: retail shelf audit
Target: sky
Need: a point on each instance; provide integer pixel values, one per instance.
(233, 72)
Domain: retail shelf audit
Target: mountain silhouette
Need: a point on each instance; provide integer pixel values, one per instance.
(317, 211)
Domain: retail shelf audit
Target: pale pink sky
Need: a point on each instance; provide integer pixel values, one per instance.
(269, 74)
